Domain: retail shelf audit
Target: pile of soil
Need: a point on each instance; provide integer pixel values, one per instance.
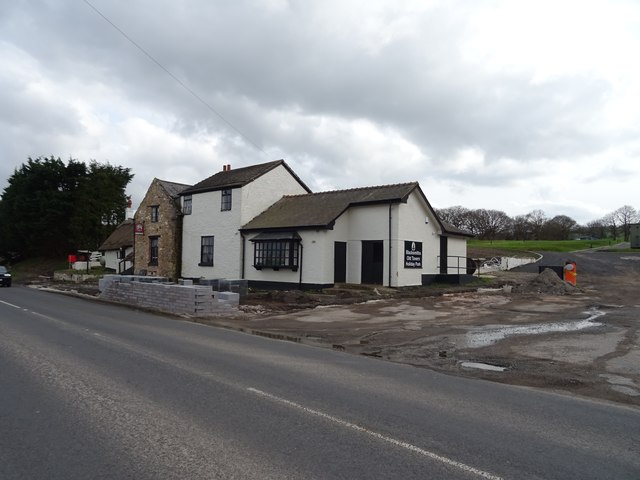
(547, 283)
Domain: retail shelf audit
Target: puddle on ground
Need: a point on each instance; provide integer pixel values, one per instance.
(485, 336)
(483, 366)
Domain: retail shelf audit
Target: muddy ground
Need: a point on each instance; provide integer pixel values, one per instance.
(521, 327)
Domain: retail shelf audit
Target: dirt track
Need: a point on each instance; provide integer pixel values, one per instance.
(537, 331)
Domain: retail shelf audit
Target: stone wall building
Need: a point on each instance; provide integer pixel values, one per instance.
(158, 227)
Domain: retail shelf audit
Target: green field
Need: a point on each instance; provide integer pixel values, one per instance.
(540, 245)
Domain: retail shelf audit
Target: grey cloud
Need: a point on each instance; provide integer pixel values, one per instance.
(252, 63)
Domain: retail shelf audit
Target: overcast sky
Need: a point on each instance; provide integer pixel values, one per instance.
(508, 105)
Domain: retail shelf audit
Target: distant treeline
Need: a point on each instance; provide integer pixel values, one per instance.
(535, 225)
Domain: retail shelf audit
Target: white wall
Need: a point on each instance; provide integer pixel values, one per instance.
(457, 248)
(266, 190)
(314, 254)
(416, 223)
(111, 260)
(207, 219)
(411, 221)
(367, 222)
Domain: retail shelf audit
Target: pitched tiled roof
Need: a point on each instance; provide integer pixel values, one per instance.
(322, 209)
(238, 178)
(448, 228)
(172, 188)
(121, 237)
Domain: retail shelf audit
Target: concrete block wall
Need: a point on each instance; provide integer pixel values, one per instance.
(227, 298)
(108, 279)
(178, 299)
(241, 287)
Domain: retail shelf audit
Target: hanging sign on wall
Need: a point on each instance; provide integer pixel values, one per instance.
(412, 254)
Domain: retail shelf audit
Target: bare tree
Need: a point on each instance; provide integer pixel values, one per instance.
(520, 228)
(457, 216)
(611, 221)
(625, 216)
(558, 228)
(536, 220)
(489, 224)
(596, 228)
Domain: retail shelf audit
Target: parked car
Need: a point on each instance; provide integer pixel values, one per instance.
(5, 277)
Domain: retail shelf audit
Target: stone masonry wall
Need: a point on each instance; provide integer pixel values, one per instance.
(167, 229)
(178, 299)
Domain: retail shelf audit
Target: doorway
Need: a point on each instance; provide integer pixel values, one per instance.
(372, 262)
(339, 262)
(444, 254)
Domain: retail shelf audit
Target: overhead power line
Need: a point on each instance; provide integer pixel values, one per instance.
(180, 82)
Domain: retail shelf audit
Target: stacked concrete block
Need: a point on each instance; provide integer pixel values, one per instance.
(178, 299)
(227, 298)
(241, 287)
(108, 279)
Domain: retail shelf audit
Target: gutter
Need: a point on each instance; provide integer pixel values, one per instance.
(390, 256)
(300, 266)
(243, 255)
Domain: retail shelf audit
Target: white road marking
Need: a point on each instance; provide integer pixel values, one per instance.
(11, 305)
(379, 436)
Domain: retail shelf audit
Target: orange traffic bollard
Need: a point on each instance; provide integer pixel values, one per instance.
(570, 274)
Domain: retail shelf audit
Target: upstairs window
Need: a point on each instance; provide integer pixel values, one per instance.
(206, 251)
(155, 212)
(226, 200)
(186, 205)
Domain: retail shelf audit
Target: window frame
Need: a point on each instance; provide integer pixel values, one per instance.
(276, 254)
(208, 260)
(187, 204)
(155, 213)
(154, 250)
(226, 199)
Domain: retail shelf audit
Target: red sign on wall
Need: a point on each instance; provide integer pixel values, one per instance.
(139, 228)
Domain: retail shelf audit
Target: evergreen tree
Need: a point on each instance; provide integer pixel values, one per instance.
(50, 208)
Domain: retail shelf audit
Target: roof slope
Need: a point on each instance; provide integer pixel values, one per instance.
(121, 237)
(322, 209)
(448, 228)
(173, 188)
(238, 178)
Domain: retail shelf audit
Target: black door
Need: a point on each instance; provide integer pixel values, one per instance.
(372, 262)
(444, 254)
(339, 262)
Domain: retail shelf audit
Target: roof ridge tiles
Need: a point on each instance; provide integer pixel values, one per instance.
(170, 181)
(353, 189)
(239, 177)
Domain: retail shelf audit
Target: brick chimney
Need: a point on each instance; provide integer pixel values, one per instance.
(226, 168)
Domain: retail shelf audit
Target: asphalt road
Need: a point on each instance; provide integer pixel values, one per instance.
(96, 391)
(594, 262)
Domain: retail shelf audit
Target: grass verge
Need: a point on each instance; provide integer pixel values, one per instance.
(540, 245)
